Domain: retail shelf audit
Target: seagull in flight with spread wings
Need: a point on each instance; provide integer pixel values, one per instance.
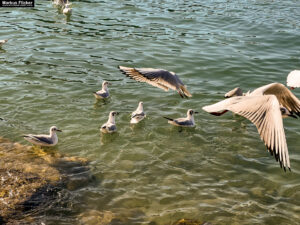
(264, 107)
(157, 77)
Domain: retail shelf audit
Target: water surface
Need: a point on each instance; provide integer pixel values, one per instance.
(218, 172)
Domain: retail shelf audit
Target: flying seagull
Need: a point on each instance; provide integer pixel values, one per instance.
(157, 77)
(188, 121)
(44, 139)
(103, 93)
(264, 107)
(110, 125)
(138, 115)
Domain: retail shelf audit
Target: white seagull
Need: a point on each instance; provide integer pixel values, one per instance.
(3, 42)
(138, 115)
(110, 125)
(293, 79)
(157, 77)
(103, 93)
(264, 107)
(67, 10)
(184, 122)
(44, 139)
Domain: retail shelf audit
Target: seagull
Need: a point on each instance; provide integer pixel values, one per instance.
(3, 42)
(264, 107)
(157, 77)
(293, 79)
(44, 139)
(60, 2)
(110, 125)
(103, 93)
(67, 10)
(138, 115)
(184, 122)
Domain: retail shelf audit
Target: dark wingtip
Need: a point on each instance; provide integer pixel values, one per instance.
(167, 118)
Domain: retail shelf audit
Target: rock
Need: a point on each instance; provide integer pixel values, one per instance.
(30, 177)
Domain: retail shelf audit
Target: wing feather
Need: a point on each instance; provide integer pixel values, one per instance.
(264, 112)
(285, 97)
(157, 77)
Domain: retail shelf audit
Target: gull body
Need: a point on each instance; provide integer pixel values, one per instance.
(188, 121)
(67, 10)
(103, 93)
(293, 79)
(138, 115)
(3, 42)
(110, 125)
(44, 139)
(265, 107)
(158, 78)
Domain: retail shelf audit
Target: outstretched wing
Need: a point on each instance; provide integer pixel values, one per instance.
(285, 97)
(264, 112)
(156, 77)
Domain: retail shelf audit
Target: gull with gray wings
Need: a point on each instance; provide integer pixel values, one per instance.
(44, 139)
(110, 125)
(188, 121)
(138, 115)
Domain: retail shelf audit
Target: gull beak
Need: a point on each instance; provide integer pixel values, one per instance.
(59, 130)
(292, 115)
(196, 112)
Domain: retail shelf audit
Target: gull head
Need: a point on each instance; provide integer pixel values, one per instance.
(234, 92)
(141, 104)
(113, 114)
(286, 113)
(105, 84)
(54, 129)
(191, 112)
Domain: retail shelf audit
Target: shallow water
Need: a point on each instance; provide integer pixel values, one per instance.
(218, 172)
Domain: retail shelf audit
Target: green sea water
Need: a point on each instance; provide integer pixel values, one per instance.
(151, 173)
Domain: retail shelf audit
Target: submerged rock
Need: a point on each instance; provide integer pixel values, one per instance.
(30, 177)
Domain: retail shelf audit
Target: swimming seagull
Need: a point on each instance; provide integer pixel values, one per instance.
(138, 115)
(265, 107)
(157, 77)
(184, 122)
(110, 125)
(44, 139)
(3, 42)
(67, 10)
(293, 79)
(103, 93)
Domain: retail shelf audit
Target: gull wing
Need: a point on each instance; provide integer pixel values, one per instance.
(285, 97)
(157, 77)
(41, 139)
(264, 113)
(293, 79)
(137, 114)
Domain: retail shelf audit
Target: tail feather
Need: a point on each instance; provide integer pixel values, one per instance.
(168, 118)
(185, 91)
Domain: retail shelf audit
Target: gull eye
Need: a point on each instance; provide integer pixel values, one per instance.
(191, 112)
